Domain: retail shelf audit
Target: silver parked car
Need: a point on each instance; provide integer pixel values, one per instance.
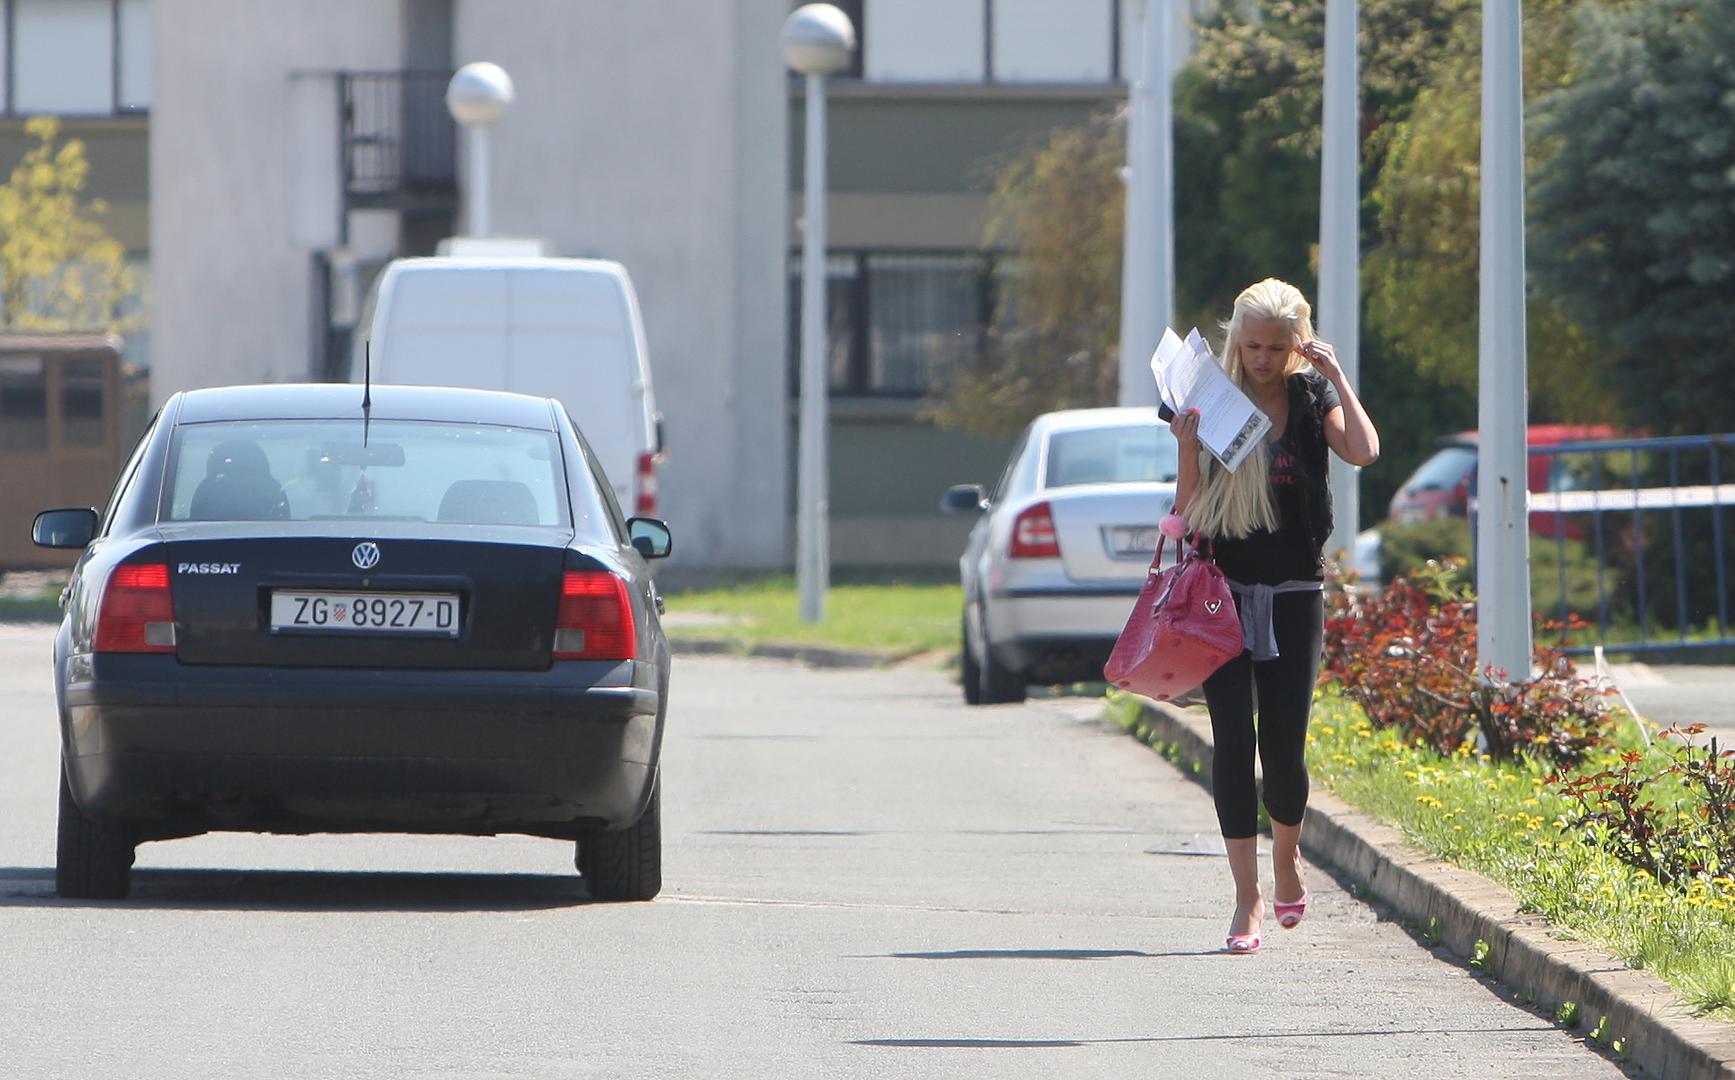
(1051, 569)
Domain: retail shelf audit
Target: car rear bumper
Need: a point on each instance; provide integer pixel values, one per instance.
(179, 750)
(1058, 635)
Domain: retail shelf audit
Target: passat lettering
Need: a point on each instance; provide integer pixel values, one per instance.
(209, 568)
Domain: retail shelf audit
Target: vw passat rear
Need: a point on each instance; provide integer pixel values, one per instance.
(302, 613)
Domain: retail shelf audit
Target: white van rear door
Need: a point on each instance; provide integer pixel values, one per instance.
(569, 337)
(444, 328)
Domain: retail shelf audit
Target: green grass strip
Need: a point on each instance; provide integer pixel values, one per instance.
(895, 618)
(1504, 820)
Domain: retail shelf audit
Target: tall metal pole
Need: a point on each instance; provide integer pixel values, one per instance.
(1502, 532)
(1148, 252)
(812, 542)
(478, 205)
(1340, 240)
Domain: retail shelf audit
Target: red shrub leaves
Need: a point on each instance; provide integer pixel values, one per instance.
(1689, 838)
(1407, 656)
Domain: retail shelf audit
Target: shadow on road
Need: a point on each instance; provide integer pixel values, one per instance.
(1041, 1044)
(1033, 954)
(310, 890)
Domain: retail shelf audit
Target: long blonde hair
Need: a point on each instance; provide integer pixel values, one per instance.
(1228, 505)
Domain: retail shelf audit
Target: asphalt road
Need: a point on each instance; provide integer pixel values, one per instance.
(864, 879)
(1682, 694)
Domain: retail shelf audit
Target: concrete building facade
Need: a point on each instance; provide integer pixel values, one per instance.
(647, 133)
(294, 148)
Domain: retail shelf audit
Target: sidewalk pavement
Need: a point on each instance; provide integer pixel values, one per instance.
(1457, 907)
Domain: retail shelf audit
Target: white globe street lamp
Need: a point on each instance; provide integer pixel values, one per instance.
(476, 96)
(818, 40)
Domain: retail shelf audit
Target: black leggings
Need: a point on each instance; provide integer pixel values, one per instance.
(1285, 700)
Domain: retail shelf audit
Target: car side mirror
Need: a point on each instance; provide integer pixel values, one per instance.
(964, 498)
(651, 537)
(72, 527)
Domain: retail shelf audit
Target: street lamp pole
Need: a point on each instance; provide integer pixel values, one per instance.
(813, 537)
(1502, 525)
(1148, 248)
(1340, 240)
(476, 96)
(818, 40)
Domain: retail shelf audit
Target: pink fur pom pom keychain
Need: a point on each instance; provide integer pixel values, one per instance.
(1173, 526)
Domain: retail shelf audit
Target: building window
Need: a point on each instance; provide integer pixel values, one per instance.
(23, 403)
(1054, 41)
(75, 57)
(973, 41)
(81, 405)
(133, 64)
(942, 41)
(895, 320)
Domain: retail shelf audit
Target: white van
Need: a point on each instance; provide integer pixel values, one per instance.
(563, 328)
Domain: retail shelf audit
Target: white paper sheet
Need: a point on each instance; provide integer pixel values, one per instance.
(1188, 377)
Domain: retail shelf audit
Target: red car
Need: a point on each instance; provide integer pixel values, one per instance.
(1440, 486)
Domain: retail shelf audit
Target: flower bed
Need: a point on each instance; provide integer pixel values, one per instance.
(1626, 842)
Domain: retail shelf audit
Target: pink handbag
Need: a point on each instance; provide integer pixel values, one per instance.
(1183, 628)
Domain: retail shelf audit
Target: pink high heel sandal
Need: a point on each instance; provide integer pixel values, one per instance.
(1289, 915)
(1242, 944)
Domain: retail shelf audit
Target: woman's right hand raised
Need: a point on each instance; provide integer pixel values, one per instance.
(1185, 427)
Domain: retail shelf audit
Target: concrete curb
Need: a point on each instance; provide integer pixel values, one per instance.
(820, 656)
(1462, 908)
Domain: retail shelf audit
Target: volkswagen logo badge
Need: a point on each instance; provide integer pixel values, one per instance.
(366, 555)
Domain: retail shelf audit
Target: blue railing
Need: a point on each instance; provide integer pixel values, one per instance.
(1639, 540)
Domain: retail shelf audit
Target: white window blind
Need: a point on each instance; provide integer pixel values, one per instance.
(1053, 40)
(62, 56)
(134, 91)
(925, 40)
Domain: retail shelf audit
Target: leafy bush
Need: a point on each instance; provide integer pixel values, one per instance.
(1690, 834)
(1407, 656)
(1408, 548)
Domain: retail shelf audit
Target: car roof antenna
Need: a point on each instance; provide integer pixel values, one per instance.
(367, 387)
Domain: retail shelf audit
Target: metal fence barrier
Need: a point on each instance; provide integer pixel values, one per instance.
(1637, 533)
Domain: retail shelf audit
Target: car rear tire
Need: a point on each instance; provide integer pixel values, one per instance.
(93, 860)
(970, 673)
(626, 864)
(1000, 685)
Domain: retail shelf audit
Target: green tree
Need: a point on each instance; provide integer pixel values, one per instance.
(1053, 342)
(1247, 137)
(1421, 277)
(59, 268)
(1633, 222)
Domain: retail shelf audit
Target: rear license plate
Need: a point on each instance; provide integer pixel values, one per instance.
(365, 612)
(1134, 540)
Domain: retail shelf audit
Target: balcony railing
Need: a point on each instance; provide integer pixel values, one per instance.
(399, 143)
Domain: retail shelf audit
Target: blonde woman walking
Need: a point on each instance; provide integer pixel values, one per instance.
(1267, 524)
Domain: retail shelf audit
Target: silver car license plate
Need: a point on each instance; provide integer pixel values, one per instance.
(365, 612)
(1134, 540)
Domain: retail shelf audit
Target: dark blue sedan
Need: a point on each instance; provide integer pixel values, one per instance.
(302, 613)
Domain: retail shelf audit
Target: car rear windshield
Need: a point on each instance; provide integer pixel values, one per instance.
(397, 470)
(1136, 453)
(1444, 471)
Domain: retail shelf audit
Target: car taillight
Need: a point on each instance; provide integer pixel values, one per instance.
(645, 504)
(137, 613)
(1033, 534)
(596, 618)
